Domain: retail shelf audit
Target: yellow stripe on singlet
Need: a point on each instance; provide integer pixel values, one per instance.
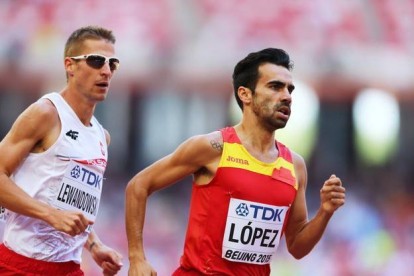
(236, 156)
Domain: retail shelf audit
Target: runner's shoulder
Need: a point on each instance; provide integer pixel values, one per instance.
(300, 168)
(210, 142)
(38, 118)
(43, 111)
(201, 149)
(298, 160)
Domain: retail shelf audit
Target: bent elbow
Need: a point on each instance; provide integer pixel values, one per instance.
(298, 256)
(135, 189)
(129, 188)
(296, 253)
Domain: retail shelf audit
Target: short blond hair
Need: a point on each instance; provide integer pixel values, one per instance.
(78, 37)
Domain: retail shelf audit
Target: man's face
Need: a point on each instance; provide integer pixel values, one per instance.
(272, 99)
(91, 82)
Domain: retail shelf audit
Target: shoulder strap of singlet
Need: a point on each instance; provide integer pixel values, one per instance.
(57, 101)
(101, 128)
(230, 135)
(284, 152)
(53, 97)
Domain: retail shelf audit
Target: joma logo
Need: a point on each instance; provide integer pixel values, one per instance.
(237, 160)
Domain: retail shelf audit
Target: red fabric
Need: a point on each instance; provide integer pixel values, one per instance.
(230, 135)
(284, 175)
(13, 264)
(284, 152)
(184, 272)
(208, 215)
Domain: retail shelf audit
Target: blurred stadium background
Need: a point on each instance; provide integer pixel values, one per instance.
(352, 110)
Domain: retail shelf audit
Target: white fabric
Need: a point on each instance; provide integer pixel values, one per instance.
(253, 231)
(2, 214)
(42, 176)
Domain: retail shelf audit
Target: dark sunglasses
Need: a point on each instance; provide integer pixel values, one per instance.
(98, 61)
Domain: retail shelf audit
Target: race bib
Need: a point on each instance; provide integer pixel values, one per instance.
(80, 190)
(3, 214)
(252, 232)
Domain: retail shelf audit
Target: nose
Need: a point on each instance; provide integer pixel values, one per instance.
(287, 96)
(106, 70)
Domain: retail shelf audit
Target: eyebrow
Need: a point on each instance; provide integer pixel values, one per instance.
(291, 87)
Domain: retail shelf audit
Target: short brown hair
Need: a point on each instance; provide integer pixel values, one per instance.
(76, 39)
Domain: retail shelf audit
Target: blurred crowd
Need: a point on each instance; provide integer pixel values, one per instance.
(177, 58)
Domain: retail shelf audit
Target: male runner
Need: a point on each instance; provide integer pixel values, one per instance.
(51, 168)
(248, 189)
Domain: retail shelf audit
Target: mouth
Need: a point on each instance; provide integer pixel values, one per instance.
(284, 110)
(103, 84)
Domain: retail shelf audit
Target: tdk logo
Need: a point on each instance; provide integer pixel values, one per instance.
(260, 212)
(242, 210)
(88, 177)
(266, 213)
(75, 173)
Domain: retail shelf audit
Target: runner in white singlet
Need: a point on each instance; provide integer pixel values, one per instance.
(51, 182)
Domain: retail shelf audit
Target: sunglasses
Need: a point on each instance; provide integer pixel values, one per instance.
(98, 61)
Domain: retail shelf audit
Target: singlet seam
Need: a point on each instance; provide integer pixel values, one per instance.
(201, 260)
(207, 223)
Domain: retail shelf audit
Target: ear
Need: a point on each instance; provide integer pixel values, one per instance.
(245, 95)
(69, 66)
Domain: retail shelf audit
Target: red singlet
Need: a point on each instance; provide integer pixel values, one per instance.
(236, 221)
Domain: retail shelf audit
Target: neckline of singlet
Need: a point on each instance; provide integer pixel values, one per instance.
(73, 113)
(278, 158)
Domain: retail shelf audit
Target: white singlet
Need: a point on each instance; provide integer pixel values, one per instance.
(68, 176)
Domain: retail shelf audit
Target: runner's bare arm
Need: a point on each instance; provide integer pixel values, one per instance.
(191, 156)
(107, 258)
(301, 234)
(27, 134)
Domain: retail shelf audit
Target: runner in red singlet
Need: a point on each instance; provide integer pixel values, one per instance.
(248, 189)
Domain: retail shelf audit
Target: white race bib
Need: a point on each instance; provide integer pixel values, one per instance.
(3, 214)
(80, 190)
(252, 232)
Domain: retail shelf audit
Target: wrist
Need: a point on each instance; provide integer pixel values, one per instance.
(47, 214)
(94, 245)
(91, 246)
(136, 257)
(324, 214)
